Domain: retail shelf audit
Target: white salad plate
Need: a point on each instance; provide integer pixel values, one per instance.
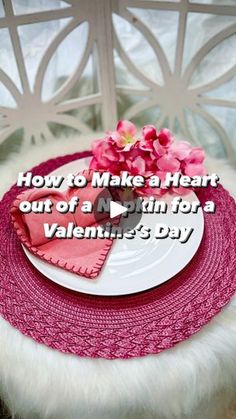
(133, 265)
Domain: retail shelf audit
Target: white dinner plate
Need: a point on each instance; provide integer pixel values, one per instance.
(132, 265)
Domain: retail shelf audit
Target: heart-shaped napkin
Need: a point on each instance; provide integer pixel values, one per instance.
(85, 256)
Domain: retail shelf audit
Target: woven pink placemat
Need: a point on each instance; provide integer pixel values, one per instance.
(119, 327)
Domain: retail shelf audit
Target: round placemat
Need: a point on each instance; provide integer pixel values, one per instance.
(127, 326)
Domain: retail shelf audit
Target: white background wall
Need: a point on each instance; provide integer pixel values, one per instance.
(79, 65)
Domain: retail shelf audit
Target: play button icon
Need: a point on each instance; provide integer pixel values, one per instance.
(116, 209)
(113, 207)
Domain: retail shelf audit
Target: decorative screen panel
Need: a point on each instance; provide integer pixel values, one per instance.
(79, 65)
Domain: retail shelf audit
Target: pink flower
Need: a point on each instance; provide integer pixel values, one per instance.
(137, 166)
(134, 151)
(196, 155)
(165, 137)
(163, 142)
(94, 164)
(126, 128)
(154, 154)
(105, 155)
(149, 132)
(194, 162)
(193, 169)
(180, 150)
(162, 176)
(158, 149)
(146, 145)
(137, 151)
(124, 134)
(167, 163)
(103, 149)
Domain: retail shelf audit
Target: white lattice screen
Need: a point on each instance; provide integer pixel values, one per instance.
(80, 65)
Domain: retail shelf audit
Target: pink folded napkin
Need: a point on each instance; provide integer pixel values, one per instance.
(84, 257)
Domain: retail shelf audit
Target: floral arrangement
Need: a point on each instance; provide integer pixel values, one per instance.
(155, 153)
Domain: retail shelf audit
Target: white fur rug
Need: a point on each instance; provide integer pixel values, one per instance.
(194, 380)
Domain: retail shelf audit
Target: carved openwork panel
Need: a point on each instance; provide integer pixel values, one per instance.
(79, 65)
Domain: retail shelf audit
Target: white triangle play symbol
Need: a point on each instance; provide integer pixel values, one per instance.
(116, 209)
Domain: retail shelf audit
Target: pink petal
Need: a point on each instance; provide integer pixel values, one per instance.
(197, 155)
(146, 145)
(149, 132)
(97, 143)
(193, 169)
(165, 137)
(158, 149)
(117, 139)
(180, 149)
(168, 163)
(161, 175)
(93, 163)
(127, 147)
(104, 151)
(126, 127)
(137, 166)
(121, 156)
(109, 153)
(103, 163)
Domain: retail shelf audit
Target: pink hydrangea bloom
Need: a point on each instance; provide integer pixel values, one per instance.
(193, 169)
(165, 137)
(155, 153)
(137, 166)
(168, 163)
(149, 132)
(124, 134)
(180, 150)
(196, 155)
(105, 156)
(194, 162)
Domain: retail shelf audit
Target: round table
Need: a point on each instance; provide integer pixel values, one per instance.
(196, 379)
